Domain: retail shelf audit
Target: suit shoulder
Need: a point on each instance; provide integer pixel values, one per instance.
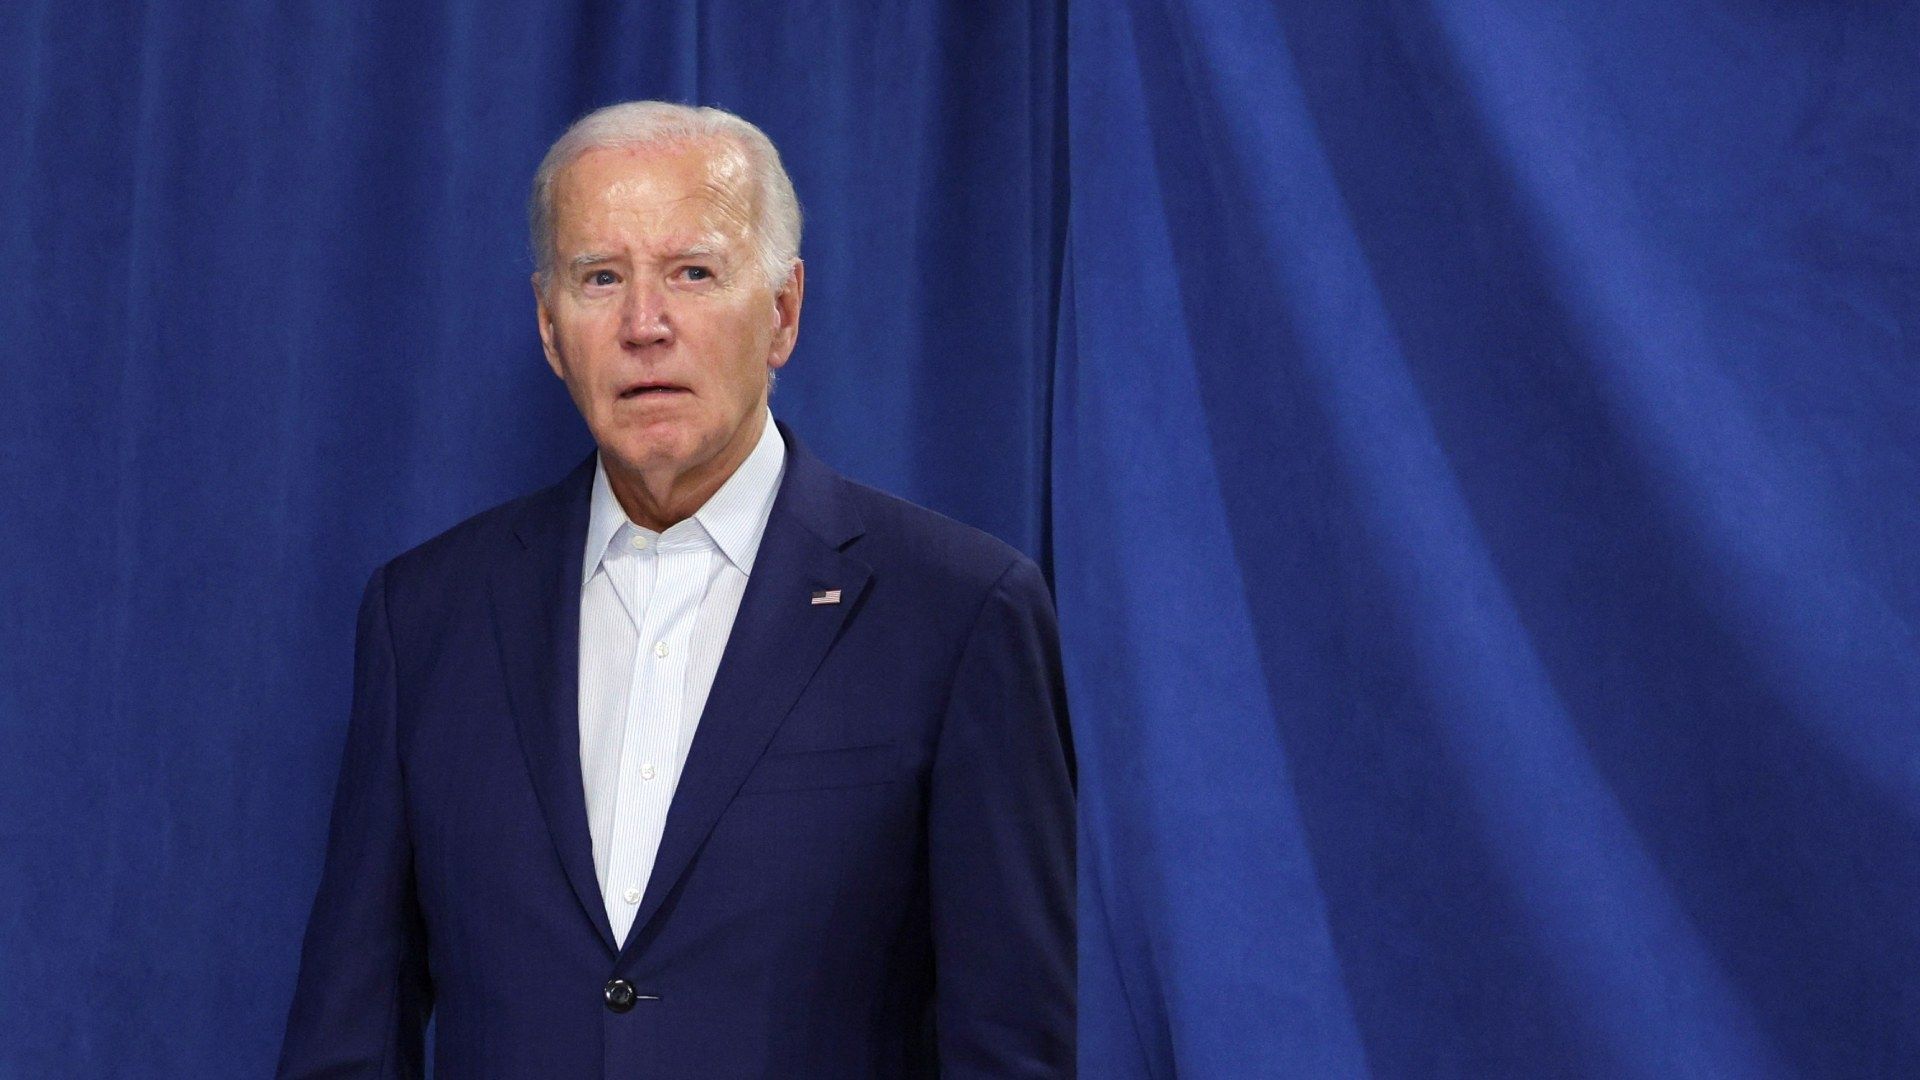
(939, 550)
(455, 543)
(450, 558)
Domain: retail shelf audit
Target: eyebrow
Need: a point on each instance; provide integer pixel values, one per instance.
(691, 251)
(705, 250)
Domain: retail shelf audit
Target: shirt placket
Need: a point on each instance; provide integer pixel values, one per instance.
(649, 750)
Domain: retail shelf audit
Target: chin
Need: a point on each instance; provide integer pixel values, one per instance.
(651, 455)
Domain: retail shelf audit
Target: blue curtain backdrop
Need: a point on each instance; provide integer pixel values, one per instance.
(1475, 444)
(1487, 471)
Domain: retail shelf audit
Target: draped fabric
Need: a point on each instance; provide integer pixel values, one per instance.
(1485, 509)
(1474, 442)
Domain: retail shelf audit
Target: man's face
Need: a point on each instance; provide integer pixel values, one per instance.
(657, 315)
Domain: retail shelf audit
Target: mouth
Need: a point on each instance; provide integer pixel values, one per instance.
(651, 388)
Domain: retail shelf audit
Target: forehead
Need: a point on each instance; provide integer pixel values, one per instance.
(660, 193)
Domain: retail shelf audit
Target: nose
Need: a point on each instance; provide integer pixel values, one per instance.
(643, 317)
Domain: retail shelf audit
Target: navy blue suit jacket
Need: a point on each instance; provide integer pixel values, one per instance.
(867, 869)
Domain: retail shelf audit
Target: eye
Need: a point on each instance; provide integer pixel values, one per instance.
(603, 278)
(697, 273)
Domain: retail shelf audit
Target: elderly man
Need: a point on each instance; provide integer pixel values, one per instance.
(704, 762)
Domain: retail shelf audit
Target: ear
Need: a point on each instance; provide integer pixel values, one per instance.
(544, 316)
(786, 316)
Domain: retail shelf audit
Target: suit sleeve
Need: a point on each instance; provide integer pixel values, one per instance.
(1001, 839)
(360, 1006)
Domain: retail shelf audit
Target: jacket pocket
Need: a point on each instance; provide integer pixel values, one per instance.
(835, 767)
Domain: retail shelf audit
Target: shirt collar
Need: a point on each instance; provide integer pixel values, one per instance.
(735, 517)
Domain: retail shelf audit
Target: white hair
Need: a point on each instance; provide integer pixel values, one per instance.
(775, 230)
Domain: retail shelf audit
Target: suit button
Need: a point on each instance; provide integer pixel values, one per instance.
(620, 995)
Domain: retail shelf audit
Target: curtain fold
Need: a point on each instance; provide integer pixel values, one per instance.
(1484, 445)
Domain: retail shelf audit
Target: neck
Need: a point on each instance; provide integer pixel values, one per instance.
(659, 501)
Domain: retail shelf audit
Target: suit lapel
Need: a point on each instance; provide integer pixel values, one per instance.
(778, 640)
(535, 588)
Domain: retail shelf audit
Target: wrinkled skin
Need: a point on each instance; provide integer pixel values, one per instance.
(660, 321)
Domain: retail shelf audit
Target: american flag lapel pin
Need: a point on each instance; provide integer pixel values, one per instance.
(825, 596)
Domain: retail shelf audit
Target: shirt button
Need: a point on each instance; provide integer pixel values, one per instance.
(632, 896)
(660, 649)
(646, 772)
(638, 541)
